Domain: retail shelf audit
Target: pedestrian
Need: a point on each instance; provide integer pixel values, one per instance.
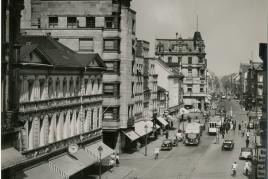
(111, 164)
(222, 134)
(247, 167)
(117, 160)
(156, 153)
(239, 126)
(243, 132)
(248, 134)
(138, 145)
(247, 142)
(166, 134)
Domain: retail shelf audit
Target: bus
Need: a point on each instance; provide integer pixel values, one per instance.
(214, 125)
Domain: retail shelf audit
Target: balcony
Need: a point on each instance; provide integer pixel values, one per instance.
(62, 144)
(188, 94)
(58, 103)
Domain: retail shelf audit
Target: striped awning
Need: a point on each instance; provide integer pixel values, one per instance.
(162, 121)
(131, 135)
(92, 150)
(140, 128)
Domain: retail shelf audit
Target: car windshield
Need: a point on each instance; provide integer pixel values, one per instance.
(166, 141)
(191, 136)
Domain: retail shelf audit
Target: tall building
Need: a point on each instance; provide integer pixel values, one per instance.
(187, 56)
(60, 111)
(243, 73)
(106, 27)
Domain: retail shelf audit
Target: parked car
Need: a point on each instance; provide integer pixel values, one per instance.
(166, 144)
(246, 153)
(227, 144)
(251, 125)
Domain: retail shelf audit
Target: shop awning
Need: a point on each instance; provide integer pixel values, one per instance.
(66, 165)
(92, 150)
(10, 156)
(140, 128)
(151, 124)
(162, 121)
(84, 158)
(42, 171)
(131, 135)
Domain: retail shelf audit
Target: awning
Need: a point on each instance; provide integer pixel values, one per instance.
(162, 121)
(140, 128)
(92, 150)
(131, 135)
(84, 158)
(10, 156)
(66, 165)
(151, 125)
(42, 171)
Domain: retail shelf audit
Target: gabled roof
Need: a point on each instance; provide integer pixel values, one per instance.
(57, 54)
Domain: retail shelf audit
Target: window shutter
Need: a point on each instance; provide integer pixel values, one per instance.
(116, 67)
(115, 113)
(115, 89)
(36, 130)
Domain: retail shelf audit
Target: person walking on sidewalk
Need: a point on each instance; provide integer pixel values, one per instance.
(156, 153)
(166, 134)
(247, 142)
(117, 160)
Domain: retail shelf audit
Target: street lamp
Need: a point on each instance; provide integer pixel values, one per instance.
(100, 149)
(146, 127)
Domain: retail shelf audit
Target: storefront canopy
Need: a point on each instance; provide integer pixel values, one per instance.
(162, 121)
(131, 135)
(66, 165)
(140, 128)
(42, 171)
(92, 150)
(10, 156)
(151, 125)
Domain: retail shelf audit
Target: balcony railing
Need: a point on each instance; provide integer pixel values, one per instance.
(81, 138)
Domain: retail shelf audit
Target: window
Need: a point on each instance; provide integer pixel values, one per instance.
(50, 88)
(57, 88)
(52, 22)
(202, 72)
(85, 84)
(111, 89)
(200, 60)
(110, 113)
(71, 22)
(111, 22)
(201, 88)
(132, 90)
(98, 116)
(64, 87)
(189, 88)
(189, 71)
(90, 22)
(42, 87)
(174, 60)
(92, 119)
(111, 44)
(86, 45)
(113, 67)
(30, 88)
(189, 60)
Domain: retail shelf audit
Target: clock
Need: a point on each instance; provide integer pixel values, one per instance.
(73, 148)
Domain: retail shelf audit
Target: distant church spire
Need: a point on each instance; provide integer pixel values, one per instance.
(197, 23)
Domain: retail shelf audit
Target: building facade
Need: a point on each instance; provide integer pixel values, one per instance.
(106, 27)
(188, 56)
(60, 106)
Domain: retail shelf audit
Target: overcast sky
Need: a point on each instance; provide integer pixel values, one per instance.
(231, 29)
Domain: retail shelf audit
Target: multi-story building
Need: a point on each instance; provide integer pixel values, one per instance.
(243, 72)
(60, 111)
(188, 56)
(254, 92)
(171, 80)
(106, 27)
(162, 100)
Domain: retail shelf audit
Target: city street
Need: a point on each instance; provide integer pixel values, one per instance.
(203, 161)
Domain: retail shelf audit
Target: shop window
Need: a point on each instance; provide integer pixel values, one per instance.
(71, 22)
(53, 22)
(189, 60)
(90, 22)
(111, 44)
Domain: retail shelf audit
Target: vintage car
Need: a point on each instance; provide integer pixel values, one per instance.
(246, 153)
(227, 144)
(250, 125)
(166, 144)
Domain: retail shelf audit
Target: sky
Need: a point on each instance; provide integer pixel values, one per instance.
(231, 29)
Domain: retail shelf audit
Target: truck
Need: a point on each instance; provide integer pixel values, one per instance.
(193, 133)
(214, 125)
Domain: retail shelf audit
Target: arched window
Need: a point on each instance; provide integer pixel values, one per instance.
(50, 88)
(64, 87)
(71, 87)
(58, 88)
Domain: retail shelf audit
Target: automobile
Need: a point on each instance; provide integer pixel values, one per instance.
(223, 97)
(246, 153)
(227, 144)
(166, 144)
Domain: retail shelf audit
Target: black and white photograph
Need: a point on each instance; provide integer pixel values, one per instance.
(134, 89)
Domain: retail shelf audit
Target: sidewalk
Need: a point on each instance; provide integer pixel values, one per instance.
(117, 173)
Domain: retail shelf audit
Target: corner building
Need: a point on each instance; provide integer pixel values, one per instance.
(106, 27)
(187, 55)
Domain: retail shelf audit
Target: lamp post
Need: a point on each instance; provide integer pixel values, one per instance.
(100, 149)
(146, 127)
